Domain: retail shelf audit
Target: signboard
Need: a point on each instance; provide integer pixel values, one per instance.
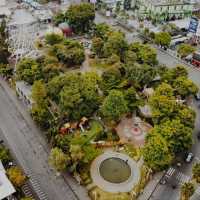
(93, 1)
(194, 22)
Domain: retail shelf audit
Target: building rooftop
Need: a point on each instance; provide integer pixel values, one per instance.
(6, 187)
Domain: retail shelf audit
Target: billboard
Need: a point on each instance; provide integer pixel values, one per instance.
(194, 22)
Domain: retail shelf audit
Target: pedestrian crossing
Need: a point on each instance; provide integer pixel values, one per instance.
(179, 176)
(36, 186)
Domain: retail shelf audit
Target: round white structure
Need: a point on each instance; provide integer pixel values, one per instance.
(115, 172)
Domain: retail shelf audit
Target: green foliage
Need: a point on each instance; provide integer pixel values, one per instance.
(59, 18)
(185, 49)
(187, 190)
(163, 39)
(102, 30)
(130, 57)
(156, 153)
(79, 96)
(184, 87)
(165, 90)
(147, 55)
(196, 172)
(176, 134)
(139, 75)
(69, 52)
(4, 155)
(39, 93)
(4, 53)
(28, 70)
(115, 44)
(6, 70)
(80, 17)
(16, 176)
(114, 105)
(110, 79)
(170, 75)
(132, 99)
(187, 116)
(58, 159)
(97, 46)
(41, 116)
(53, 38)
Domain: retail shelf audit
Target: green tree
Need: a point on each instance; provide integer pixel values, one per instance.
(39, 93)
(130, 57)
(4, 52)
(163, 39)
(16, 176)
(28, 70)
(185, 49)
(102, 30)
(4, 155)
(58, 159)
(196, 172)
(165, 90)
(97, 46)
(184, 87)
(80, 17)
(116, 44)
(6, 70)
(111, 78)
(176, 134)
(147, 55)
(55, 85)
(163, 107)
(187, 116)
(70, 52)
(187, 190)
(114, 105)
(79, 96)
(41, 116)
(53, 38)
(139, 75)
(156, 153)
(170, 75)
(132, 99)
(59, 18)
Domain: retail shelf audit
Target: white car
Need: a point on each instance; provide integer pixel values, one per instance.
(189, 157)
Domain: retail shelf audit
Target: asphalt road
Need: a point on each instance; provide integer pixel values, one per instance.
(29, 147)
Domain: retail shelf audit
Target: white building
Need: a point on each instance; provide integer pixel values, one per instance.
(4, 10)
(6, 187)
(166, 9)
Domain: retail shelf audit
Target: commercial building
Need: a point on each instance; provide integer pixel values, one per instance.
(4, 10)
(6, 187)
(161, 10)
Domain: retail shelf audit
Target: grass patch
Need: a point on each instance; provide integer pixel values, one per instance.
(133, 152)
(97, 194)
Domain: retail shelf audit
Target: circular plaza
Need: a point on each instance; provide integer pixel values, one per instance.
(115, 172)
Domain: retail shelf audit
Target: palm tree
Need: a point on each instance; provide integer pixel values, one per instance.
(187, 191)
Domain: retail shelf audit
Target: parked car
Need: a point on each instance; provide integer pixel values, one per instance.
(189, 157)
(197, 96)
(198, 135)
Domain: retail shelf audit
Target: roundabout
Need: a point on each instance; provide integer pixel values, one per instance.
(115, 172)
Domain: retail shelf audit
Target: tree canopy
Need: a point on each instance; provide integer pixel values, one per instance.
(80, 17)
(114, 105)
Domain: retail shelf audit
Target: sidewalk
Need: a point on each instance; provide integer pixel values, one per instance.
(150, 186)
